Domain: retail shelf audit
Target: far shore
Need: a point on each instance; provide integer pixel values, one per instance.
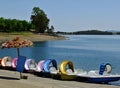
(32, 37)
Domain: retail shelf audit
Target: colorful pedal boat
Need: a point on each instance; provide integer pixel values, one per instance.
(30, 66)
(67, 73)
(14, 63)
(49, 66)
(6, 62)
(98, 78)
(101, 76)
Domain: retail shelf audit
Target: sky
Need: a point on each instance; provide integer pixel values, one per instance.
(68, 15)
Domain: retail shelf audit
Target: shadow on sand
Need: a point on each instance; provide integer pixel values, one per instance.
(9, 78)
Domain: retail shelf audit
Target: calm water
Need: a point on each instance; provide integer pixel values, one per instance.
(86, 51)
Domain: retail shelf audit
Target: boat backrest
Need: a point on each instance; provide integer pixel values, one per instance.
(105, 67)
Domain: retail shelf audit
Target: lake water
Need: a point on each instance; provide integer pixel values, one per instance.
(85, 51)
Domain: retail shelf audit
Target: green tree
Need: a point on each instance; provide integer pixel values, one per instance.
(10, 25)
(39, 19)
(2, 24)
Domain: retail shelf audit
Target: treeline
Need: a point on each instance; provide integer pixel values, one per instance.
(10, 25)
(39, 23)
(88, 32)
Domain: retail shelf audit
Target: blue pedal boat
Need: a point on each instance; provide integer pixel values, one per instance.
(101, 76)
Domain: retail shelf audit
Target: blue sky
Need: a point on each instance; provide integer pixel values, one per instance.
(68, 15)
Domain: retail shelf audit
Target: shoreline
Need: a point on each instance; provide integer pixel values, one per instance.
(31, 37)
(10, 79)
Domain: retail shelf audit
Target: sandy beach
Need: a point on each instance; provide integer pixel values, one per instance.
(32, 37)
(10, 79)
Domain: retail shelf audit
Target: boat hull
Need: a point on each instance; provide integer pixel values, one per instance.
(98, 79)
(68, 77)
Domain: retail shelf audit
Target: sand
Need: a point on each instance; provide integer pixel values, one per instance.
(32, 37)
(10, 79)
